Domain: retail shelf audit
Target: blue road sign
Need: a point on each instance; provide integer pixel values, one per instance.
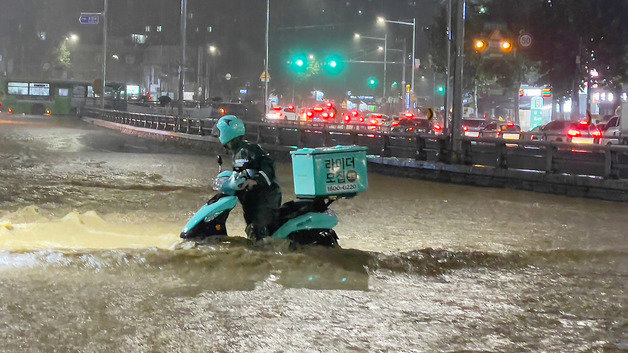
(89, 18)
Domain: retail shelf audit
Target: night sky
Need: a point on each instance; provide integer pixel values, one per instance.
(237, 28)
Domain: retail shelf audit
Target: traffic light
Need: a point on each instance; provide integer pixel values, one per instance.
(505, 46)
(372, 82)
(440, 89)
(299, 63)
(334, 64)
(480, 45)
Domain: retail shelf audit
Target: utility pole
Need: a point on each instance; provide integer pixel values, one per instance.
(385, 66)
(184, 11)
(456, 129)
(403, 75)
(413, 52)
(104, 54)
(266, 79)
(448, 67)
(200, 91)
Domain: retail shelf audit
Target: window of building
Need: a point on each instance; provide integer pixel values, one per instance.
(139, 38)
(18, 88)
(39, 89)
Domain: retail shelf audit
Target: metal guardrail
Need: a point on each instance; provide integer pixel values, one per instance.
(541, 156)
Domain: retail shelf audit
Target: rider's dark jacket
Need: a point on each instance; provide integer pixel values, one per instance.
(260, 204)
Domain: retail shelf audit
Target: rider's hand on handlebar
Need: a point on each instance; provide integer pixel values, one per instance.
(248, 184)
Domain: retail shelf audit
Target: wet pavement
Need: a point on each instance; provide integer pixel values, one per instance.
(90, 260)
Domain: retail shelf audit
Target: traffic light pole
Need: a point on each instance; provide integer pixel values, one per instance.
(184, 11)
(448, 68)
(456, 129)
(385, 61)
(104, 54)
(266, 79)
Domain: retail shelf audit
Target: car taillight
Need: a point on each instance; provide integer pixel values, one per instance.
(347, 119)
(331, 115)
(510, 123)
(573, 133)
(325, 115)
(584, 122)
(329, 105)
(596, 133)
(395, 123)
(223, 111)
(291, 107)
(411, 129)
(465, 128)
(309, 114)
(10, 110)
(504, 127)
(47, 111)
(355, 113)
(437, 127)
(361, 120)
(277, 108)
(318, 109)
(408, 115)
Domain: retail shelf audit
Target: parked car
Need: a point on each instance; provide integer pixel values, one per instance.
(415, 125)
(568, 131)
(377, 120)
(616, 131)
(472, 127)
(353, 117)
(278, 113)
(506, 130)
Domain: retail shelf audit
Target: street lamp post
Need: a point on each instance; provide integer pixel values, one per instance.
(382, 20)
(183, 47)
(267, 78)
(385, 40)
(104, 54)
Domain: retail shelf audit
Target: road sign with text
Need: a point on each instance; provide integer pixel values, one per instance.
(89, 18)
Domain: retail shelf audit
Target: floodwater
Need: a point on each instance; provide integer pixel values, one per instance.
(90, 261)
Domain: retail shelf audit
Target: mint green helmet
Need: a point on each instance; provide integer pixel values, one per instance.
(230, 127)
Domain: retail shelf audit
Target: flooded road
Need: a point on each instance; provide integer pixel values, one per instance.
(89, 261)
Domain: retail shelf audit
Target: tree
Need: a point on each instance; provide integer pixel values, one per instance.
(571, 37)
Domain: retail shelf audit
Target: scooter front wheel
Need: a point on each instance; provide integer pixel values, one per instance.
(321, 237)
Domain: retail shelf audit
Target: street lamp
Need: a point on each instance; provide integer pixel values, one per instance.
(73, 37)
(382, 21)
(385, 49)
(209, 67)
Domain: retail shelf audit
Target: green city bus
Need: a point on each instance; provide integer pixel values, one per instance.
(55, 97)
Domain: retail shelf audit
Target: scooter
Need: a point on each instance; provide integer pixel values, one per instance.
(305, 221)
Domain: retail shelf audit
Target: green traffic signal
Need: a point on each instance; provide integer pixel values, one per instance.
(334, 64)
(298, 63)
(372, 82)
(440, 89)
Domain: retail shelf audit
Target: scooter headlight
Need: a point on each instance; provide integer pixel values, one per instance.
(219, 182)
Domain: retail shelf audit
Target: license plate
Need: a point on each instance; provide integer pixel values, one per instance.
(511, 136)
(583, 140)
(472, 133)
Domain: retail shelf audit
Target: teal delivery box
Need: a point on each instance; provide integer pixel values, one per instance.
(326, 171)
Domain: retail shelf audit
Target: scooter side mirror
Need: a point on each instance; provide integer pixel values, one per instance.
(220, 160)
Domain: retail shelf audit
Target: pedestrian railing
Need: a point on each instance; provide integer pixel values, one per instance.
(606, 161)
